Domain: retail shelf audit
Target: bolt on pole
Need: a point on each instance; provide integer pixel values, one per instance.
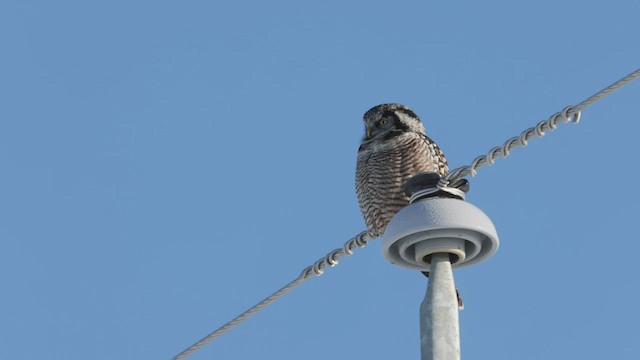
(439, 324)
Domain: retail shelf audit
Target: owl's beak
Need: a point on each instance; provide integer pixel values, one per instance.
(369, 130)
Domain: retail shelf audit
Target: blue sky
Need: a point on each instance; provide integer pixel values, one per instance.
(166, 165)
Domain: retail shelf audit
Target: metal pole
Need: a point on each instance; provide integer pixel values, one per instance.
(439, 328)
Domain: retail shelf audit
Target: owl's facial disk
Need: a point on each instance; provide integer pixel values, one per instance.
(379, 126)
(386, 121)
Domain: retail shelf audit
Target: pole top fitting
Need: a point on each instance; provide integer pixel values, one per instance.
(438, 220)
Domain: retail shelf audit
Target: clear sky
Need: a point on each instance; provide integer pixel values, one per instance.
(166, 165)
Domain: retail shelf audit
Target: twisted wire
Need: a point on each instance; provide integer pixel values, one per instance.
(317, 269)
(569, 113)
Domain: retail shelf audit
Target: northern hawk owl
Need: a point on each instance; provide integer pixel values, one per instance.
(393, 149)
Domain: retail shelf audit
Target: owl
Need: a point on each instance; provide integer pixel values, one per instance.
(393, 149)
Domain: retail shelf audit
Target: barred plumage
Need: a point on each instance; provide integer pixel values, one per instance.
(394, 149)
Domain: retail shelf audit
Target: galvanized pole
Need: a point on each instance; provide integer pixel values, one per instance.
(439, 328)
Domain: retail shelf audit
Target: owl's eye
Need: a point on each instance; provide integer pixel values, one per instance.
(383, 121)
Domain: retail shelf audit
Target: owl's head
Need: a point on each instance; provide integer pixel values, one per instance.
(386, 121)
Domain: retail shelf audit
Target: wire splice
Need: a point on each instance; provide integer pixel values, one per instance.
(569, 113)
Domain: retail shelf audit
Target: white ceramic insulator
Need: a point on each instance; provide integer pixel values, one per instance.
(439, 225)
